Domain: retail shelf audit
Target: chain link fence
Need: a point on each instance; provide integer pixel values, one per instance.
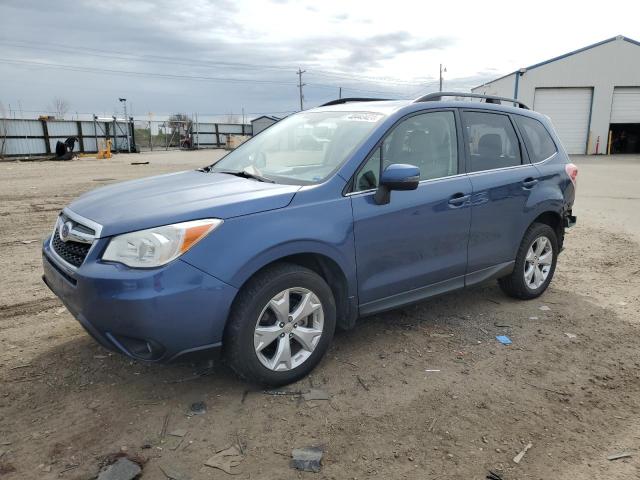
(185, 134)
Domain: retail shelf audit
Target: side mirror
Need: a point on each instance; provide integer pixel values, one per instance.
(397, 176)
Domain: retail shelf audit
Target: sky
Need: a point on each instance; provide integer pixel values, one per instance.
(220, 57)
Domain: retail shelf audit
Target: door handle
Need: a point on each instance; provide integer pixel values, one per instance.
(529, 182)
(459, 199)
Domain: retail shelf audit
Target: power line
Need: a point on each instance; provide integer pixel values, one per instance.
(380, 80)
(92, 52)
(378, 92)
(56, 47)
(77, 68)
(208, 114)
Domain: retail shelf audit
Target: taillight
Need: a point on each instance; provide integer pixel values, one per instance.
(572, 171)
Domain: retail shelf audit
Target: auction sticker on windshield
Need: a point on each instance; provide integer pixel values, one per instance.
(365, 117)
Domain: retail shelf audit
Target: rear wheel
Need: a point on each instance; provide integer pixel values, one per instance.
(535, 263)
(281, 325)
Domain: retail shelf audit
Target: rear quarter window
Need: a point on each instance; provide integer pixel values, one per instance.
(539, 143)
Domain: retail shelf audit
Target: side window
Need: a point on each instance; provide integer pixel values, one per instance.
(367, 177)
(539, 143)
(493, 142)
(428, 141)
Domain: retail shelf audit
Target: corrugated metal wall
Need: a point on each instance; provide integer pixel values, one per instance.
(64, 129)
(23, 146)
(25, 128)
(39, 137)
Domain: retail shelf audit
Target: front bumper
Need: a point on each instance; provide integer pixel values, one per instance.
(159, 314)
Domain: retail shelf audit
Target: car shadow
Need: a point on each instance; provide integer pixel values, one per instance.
(81, 364)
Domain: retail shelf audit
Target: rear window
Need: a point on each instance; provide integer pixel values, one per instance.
(537, 139)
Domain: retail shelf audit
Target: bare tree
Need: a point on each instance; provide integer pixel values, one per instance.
(181, 127)
(180, 122)
(59, 107)
(3, 129)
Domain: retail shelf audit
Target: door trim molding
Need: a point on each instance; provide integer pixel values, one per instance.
(490, 273)
(411, 296)
(418, 294)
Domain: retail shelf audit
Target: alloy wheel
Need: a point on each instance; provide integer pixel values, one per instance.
(537, 263)
(288, 329)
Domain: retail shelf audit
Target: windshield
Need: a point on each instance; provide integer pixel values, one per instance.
(304, 148)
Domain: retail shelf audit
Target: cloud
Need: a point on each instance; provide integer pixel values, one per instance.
(341, 17)
(370, 52)
(209, 38)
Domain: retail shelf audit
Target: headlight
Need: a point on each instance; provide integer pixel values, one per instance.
(158, 246)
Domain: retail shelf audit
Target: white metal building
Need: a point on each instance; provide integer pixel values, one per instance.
(260, 123)
(592, 95)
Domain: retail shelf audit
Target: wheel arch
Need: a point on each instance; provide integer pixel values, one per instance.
(554, 220)
(326, 266)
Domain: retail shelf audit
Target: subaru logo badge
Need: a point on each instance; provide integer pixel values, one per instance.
(65, 230)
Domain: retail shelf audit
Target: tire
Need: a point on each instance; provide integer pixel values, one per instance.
(255, 342)
(518, 285)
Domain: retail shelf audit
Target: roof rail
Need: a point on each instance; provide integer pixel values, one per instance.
(435, 96)
(340, 101)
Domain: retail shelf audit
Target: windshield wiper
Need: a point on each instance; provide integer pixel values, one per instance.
(245, 174)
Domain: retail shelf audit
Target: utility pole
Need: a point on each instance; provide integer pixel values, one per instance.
(126, 122)
(340, 93)
(150, 132)
(197, 132)
(442, 70)
(300, 85)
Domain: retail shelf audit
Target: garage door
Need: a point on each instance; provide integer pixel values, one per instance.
(569, 110)
(626, 105)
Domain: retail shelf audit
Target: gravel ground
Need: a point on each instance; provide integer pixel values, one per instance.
(421, 392)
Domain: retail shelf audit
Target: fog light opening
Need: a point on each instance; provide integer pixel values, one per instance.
(144, 349)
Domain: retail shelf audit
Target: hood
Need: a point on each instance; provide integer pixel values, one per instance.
(178, 197)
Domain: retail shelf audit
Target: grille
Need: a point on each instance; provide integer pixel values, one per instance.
(72, 252)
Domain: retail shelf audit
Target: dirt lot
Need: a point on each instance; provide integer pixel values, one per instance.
(66, 403)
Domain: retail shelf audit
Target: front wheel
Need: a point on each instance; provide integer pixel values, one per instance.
(535, 263)
(280, 326)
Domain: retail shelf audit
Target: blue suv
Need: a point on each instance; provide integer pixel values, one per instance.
(331, 214)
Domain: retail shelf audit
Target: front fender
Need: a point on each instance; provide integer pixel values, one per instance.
(295, 247)
(244, 245)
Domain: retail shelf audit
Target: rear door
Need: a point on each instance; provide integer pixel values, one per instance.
(420, 237)
(502, 180)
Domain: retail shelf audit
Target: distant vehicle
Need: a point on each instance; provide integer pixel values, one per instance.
(329, 215)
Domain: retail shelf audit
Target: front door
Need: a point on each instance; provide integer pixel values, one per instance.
(418, 241)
